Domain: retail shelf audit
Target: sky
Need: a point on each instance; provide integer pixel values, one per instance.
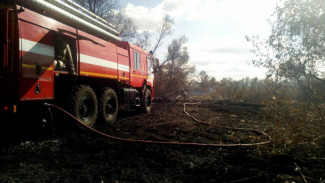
(215, 29)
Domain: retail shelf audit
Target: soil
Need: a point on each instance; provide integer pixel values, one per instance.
(75, 154)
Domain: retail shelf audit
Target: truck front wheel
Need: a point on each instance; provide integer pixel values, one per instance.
(147, 101)
(85, 105)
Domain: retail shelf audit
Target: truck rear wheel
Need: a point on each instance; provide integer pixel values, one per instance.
(108, 106)
(147, 101)
(85, 105)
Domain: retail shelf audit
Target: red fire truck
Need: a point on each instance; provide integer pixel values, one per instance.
(55, 51)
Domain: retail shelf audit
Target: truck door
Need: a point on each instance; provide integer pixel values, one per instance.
(138, 68)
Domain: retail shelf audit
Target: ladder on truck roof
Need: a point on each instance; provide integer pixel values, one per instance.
(89, 12)
(69, 14)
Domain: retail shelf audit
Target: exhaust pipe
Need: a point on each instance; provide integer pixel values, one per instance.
(63, 16)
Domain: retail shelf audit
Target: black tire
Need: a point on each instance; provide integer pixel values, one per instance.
(108, 106)
(84, 105)
(147, 101)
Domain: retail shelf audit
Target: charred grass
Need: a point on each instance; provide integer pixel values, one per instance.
(296, 153)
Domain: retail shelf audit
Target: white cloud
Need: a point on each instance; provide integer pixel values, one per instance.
(144, 18)
(224, 57)
(248, 13)
(177, 8)
(237, 9)
(148, 18)
(221, 49)
(227, 53)
(225, 48)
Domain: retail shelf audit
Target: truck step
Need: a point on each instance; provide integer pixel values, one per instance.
(137, 101)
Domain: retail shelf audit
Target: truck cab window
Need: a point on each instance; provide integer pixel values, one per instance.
(136, 58)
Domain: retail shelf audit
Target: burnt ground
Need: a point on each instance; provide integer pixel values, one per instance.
(296, 153)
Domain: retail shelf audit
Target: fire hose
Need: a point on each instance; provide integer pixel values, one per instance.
(173, 142)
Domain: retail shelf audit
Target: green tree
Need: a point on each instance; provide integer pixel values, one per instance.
(295, 50)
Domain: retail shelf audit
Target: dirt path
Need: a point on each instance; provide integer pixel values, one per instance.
(80, 156)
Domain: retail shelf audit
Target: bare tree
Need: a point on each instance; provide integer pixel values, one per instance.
(143, 40)
(173, 72)
(164, 29)
(175, 52)
(102, 8)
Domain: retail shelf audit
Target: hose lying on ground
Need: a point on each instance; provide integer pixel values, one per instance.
(173, 143)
